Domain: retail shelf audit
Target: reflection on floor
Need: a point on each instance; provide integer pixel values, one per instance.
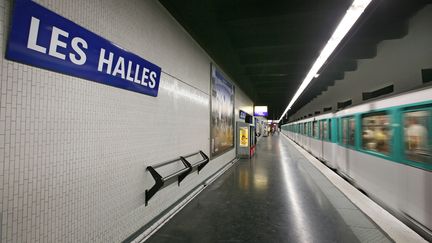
(277, 196)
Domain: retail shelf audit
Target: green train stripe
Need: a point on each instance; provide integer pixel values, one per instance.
(397, 152)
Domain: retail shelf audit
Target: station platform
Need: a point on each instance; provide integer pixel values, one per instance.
(277, 196)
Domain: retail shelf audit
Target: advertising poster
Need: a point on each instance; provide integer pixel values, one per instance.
(244, 137)
(222, 113)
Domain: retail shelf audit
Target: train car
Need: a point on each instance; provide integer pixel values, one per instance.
(383, 147)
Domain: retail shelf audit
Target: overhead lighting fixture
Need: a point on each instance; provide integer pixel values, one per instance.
(352, 15)
(272, 121)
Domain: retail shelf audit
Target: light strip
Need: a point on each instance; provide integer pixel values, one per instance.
(352, 15)
(272, 121)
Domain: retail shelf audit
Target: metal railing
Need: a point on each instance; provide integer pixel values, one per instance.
(161, 182)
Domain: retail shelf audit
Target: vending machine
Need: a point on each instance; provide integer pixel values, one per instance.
(245, 138)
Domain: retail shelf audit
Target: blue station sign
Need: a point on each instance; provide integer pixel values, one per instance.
(42, 38)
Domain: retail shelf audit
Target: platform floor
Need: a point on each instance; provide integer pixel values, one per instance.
(277, 196)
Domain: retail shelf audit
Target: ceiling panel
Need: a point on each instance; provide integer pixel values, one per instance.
(267, 47)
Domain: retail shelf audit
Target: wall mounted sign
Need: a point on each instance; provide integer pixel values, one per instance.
(260, 111)
(242, 114)
(42, 38)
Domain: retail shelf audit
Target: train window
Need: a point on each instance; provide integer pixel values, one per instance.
(304, 128)
(325, 130)
(321, 130)
(315, 129)
(328, 130)
(351, 132)
(348, 131)
(310, 129)
(376, 133)
(344, 138)
(417, 137)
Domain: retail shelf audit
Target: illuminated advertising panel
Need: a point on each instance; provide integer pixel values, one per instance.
(260, 111)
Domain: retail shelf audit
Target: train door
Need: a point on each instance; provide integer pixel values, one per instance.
(315, 137)
(309, 134)
(321, 140)
(347, 141)
(304, 134)
(416, 148)
(333, 137)
(351, 143)
(326, 145)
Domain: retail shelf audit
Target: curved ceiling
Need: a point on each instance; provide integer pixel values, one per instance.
(268, 47)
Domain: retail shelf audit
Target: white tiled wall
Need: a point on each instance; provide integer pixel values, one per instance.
(73, 152)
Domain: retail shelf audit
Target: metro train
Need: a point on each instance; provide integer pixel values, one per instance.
(383, 147)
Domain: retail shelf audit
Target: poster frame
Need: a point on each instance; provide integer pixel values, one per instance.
(215, 155)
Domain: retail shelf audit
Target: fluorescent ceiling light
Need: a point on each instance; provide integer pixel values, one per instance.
(351, 16)
(260, 108)
(272, 121)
